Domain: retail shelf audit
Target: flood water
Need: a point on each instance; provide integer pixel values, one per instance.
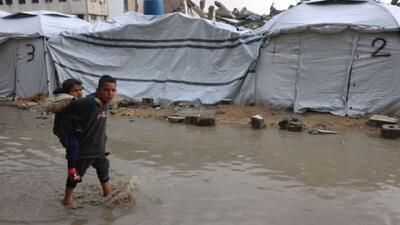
(183, 174)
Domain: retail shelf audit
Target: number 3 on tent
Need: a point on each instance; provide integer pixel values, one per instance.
(31, 53)
(383, 44)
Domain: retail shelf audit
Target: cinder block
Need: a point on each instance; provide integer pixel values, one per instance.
(257, 122)
(205, 121)
(175, 119)
(390, 131)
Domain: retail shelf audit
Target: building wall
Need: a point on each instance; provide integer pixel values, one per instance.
(115, 8)
(90, 10)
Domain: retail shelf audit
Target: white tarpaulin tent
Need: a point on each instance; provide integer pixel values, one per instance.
(3, 13)
(23, 68)
(172, 57)
(341, 57)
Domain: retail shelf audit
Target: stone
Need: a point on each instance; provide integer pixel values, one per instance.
(148, 101)
(126, 103)
(191, 119)
(205, 121)
(295, 126)
(257, 122)
(226, 101)
(127, 114)
(175, 119)
(390, 131)
(379, 120)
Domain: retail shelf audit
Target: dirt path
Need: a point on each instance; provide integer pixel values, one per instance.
(225, 114)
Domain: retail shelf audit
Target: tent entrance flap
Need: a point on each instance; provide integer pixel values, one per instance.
(323, 71)
(30, 71)
(7, 68)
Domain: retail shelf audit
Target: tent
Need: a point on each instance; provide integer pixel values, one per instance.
(23, 36)
(338, 56)
(172, 57)
(3, 13)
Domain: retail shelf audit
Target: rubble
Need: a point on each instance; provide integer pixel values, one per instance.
(390, 131)
(241, 19)
(128, 103)
(295, 126)
(395, 2)
(291, 124)
(205, 121)
(379, 120)
(175, 119)
(191, 119)
(148, 101)
(319, 131)
(257, 122)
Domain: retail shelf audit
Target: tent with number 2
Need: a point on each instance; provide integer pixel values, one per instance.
(338, 56)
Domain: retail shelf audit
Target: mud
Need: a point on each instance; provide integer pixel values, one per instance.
(181, 174)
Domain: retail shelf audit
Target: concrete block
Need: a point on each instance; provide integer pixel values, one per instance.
(295, 126)
(379, 120)
(191, 119)
(390, 131)
(205, 121)
(175, 119)
(148, 101)
(283, 124)
(257, 122)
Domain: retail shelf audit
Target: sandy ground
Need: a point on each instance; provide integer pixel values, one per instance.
(224, 114)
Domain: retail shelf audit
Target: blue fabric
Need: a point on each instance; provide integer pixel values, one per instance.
(72, 151)
(57, 91)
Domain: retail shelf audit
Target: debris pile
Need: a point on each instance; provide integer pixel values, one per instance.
(240, 18)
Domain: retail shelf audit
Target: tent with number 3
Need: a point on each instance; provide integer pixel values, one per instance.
(338, 56)
(24, 65)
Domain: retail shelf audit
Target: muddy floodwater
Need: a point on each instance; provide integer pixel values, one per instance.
(181, 174)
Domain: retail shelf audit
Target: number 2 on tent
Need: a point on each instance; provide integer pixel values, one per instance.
(383, 44)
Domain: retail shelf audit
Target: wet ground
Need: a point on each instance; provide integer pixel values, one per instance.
(182, 174)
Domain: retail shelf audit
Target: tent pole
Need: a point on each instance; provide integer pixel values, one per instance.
(349, 72)
(15, 69)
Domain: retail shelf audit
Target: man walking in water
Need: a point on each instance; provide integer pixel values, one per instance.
(90, 114)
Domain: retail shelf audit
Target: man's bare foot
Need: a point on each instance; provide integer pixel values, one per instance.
(106, 187)
(66, 202)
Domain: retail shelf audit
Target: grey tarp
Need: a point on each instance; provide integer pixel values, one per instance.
(339, 57)
(171, 57)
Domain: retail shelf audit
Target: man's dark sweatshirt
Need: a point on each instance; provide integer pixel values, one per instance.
(91, 119)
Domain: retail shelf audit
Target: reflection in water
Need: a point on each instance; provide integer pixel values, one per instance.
(202, 175)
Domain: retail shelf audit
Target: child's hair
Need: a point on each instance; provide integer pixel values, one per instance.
(106, 79)
(69, 83)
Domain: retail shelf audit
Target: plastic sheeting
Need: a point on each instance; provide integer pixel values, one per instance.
(170, 58)
(338, 58)
(23, 68)
(361, 16)
(3, 13)
(44, 23)
(7, 68)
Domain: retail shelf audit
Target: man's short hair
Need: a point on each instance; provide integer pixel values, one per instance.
(106, 79)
